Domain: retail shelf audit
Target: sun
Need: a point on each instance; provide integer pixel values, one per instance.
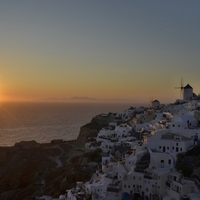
(2, 98)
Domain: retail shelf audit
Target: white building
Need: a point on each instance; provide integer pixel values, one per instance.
(181, 122)
(147, 170)
(187, 92)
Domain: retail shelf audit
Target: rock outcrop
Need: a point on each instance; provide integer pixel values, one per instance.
(91, 129)
(29, 169)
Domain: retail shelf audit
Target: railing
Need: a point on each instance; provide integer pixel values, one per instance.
(148, 176)
(112, 189)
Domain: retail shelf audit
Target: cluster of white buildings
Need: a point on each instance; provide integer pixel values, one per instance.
(152, 138)
(147, 170)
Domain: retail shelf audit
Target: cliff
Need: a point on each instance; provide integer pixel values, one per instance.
(91, 129)
(29, 169)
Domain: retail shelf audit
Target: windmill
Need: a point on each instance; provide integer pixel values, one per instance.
(181, 87)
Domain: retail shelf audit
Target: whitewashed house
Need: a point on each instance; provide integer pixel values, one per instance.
(173, 143)
(98, 184)
(181, 122)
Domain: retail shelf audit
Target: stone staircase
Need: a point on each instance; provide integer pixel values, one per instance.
(143, 163)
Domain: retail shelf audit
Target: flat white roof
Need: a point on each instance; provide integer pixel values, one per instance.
(161, 171)
(136, 173)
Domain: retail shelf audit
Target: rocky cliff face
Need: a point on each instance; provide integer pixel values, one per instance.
(24, 169)
(91, 129)
(30, 169)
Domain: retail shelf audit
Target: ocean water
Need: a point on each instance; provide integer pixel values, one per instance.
(44, 122)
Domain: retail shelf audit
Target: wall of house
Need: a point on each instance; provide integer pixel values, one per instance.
(172, 145)
(176, 127)
(173, 193)
(151, 185)
(179, 123)
(130, 161)
(99, 189)
(152, 141)
(162, 183)
(133, 182)
(120, 171)
(187, 94)
(160, 160)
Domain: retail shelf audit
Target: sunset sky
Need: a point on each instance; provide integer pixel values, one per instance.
(105, 49)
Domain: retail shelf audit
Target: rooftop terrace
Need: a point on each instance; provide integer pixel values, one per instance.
(172, 136)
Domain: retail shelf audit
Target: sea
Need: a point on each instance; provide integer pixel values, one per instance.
(43, 122)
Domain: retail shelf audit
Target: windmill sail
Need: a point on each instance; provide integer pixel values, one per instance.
(181, 86)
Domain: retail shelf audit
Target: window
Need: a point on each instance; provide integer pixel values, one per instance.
(178, 125)
(133, 186)
(125, 186)
(180, 149)
(173, 125)
(176, 144)
(169, 161)
(162, 161)
(159, 147)
(133, 177)
(167, 147)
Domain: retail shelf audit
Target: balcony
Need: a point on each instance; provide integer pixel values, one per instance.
(148, 176)
(112, 189)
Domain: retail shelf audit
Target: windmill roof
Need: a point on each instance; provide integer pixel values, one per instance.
(188, 87)
(156, 100)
